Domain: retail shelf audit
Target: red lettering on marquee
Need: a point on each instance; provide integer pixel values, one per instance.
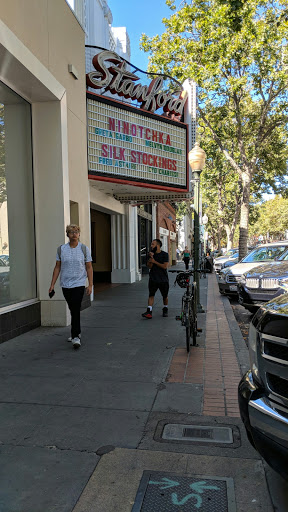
(139, 157)
(111, 124)
(104, 150)
(154, 136)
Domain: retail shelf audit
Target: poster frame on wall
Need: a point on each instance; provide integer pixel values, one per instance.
(101, 176)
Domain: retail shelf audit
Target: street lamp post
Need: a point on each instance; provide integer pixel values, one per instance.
(196, 159)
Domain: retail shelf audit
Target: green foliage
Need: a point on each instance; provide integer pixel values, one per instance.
(272, 218)
(182, 209)
(237, 52)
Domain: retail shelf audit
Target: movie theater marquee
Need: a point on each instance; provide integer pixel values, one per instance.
(124, 142)
(132, 144)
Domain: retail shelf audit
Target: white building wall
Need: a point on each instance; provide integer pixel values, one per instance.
(124, 225)
(122, 41)
(185, 231)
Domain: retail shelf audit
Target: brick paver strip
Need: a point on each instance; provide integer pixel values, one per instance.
(215, 366)
(221, 371)
(186, 368)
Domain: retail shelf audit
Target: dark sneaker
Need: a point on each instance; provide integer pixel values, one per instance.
(165, 311)
(147, 314)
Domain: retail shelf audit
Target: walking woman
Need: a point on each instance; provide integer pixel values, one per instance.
(73, 263)
(186, 257)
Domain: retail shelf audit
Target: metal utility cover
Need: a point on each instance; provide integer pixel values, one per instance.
(167, 492)
(196, 433)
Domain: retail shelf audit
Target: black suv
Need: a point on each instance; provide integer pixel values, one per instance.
(264, 283)
(263, 391)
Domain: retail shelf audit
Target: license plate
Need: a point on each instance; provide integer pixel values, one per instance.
(233, 288)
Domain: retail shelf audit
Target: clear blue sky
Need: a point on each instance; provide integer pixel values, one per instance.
(139, 17)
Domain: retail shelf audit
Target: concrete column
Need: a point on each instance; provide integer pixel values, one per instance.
(124, 246)
(52, 212)
(154, 220)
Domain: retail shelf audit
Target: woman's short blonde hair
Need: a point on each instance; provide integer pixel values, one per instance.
(72, 227)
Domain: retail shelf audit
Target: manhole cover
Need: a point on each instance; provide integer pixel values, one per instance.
(166, 492)
(178, 432)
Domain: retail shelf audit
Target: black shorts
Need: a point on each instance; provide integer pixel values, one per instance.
(153, 287)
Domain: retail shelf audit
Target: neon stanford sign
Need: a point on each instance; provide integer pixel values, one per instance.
(118, 80)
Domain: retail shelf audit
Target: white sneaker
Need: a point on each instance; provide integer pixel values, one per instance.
(70, 337)
(76, 342)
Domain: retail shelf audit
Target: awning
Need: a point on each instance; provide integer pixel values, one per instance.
(136, 199)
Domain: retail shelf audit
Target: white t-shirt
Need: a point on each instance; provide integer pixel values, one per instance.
(73, 269)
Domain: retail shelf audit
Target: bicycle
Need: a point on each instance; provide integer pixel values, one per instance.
(188, 316)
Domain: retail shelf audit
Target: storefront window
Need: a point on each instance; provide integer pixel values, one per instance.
(17, 238)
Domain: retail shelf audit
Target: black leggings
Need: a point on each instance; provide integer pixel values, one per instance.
(186, 261)
(73, 297)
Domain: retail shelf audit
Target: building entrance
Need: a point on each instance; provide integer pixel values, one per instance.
(144, 236)
(101, 246)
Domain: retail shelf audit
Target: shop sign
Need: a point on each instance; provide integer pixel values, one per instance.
(118, 80)
(124, 143)
(163, 231)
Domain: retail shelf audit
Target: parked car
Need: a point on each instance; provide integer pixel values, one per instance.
(5, 258)
(232, 260)
(219, 262)
(263, 391)
(4, 278)
(265, 253)
(263, 283)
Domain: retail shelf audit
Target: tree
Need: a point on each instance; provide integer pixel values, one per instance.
(236, 51)
(272, 219)
(221, 192)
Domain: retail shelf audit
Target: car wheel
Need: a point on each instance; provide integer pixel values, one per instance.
(251, 309)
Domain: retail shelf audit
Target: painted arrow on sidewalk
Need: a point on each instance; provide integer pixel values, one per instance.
(200, 487)
(166, 483)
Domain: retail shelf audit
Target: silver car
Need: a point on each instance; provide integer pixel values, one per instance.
(219, 262)
(263, 254)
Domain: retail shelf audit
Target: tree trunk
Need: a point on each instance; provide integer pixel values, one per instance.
(219, 240)
(244, 215)
(230, 236)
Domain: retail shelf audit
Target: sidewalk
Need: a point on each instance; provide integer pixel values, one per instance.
(79, 428)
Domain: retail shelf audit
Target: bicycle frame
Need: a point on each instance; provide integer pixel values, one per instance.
(188, 314)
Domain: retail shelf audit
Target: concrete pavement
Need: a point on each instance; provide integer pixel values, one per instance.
(78, 428)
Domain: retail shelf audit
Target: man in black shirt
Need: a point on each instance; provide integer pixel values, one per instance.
(158, 277)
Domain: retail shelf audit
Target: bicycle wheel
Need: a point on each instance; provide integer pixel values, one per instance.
(188, 331)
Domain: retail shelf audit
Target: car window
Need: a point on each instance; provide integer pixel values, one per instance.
(284, 256)
(265, 254)
(230, 252)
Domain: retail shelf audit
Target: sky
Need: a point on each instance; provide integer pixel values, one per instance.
(135, 16)
(139, 17)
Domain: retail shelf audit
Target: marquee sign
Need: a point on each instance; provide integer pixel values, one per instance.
(118, 80)
(126, 144)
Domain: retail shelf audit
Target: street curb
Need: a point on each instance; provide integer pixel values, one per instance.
(241, 349)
